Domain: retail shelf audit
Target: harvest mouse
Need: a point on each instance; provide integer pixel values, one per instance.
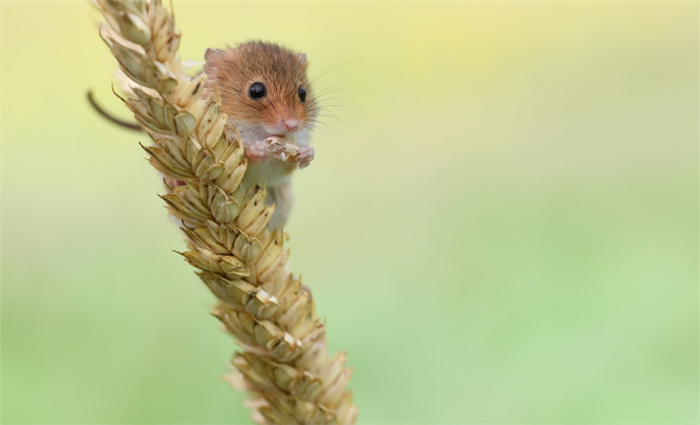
(266, 94)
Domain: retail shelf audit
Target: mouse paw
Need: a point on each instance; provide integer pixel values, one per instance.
(304, 156)
(258, 151)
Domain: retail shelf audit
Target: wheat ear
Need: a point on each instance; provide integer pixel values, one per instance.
(284, 360)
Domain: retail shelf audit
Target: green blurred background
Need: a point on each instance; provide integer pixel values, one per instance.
(500, 224)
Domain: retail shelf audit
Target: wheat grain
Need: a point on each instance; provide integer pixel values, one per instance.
(284, 360)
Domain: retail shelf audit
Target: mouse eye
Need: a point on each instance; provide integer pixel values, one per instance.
(302, 93)
(257, 91)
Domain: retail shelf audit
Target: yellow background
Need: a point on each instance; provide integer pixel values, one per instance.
(500, 224)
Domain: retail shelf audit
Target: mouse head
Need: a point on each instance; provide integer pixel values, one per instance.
(263, 85)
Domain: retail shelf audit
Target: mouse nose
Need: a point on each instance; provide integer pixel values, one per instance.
(290, 125)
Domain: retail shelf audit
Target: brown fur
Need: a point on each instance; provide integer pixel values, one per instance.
(282, 71)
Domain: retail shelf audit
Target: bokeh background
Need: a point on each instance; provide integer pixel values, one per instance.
(500, 224)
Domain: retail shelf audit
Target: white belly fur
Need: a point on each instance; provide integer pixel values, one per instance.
(271, 172)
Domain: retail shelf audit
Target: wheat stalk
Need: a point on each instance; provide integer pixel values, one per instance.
(284, 360)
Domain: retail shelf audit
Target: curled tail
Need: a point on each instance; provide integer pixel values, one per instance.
(110, 117)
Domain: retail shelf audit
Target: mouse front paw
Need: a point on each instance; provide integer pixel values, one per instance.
(258, 151)
(304, 156)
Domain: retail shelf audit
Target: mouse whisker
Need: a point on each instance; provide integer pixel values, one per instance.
(327, 70)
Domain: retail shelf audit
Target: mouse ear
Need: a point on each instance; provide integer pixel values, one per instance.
(302, 59)
(212, 54)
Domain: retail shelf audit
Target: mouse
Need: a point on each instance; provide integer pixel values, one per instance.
(266, 94)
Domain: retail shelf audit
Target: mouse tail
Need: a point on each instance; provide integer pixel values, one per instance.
(122, 123)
